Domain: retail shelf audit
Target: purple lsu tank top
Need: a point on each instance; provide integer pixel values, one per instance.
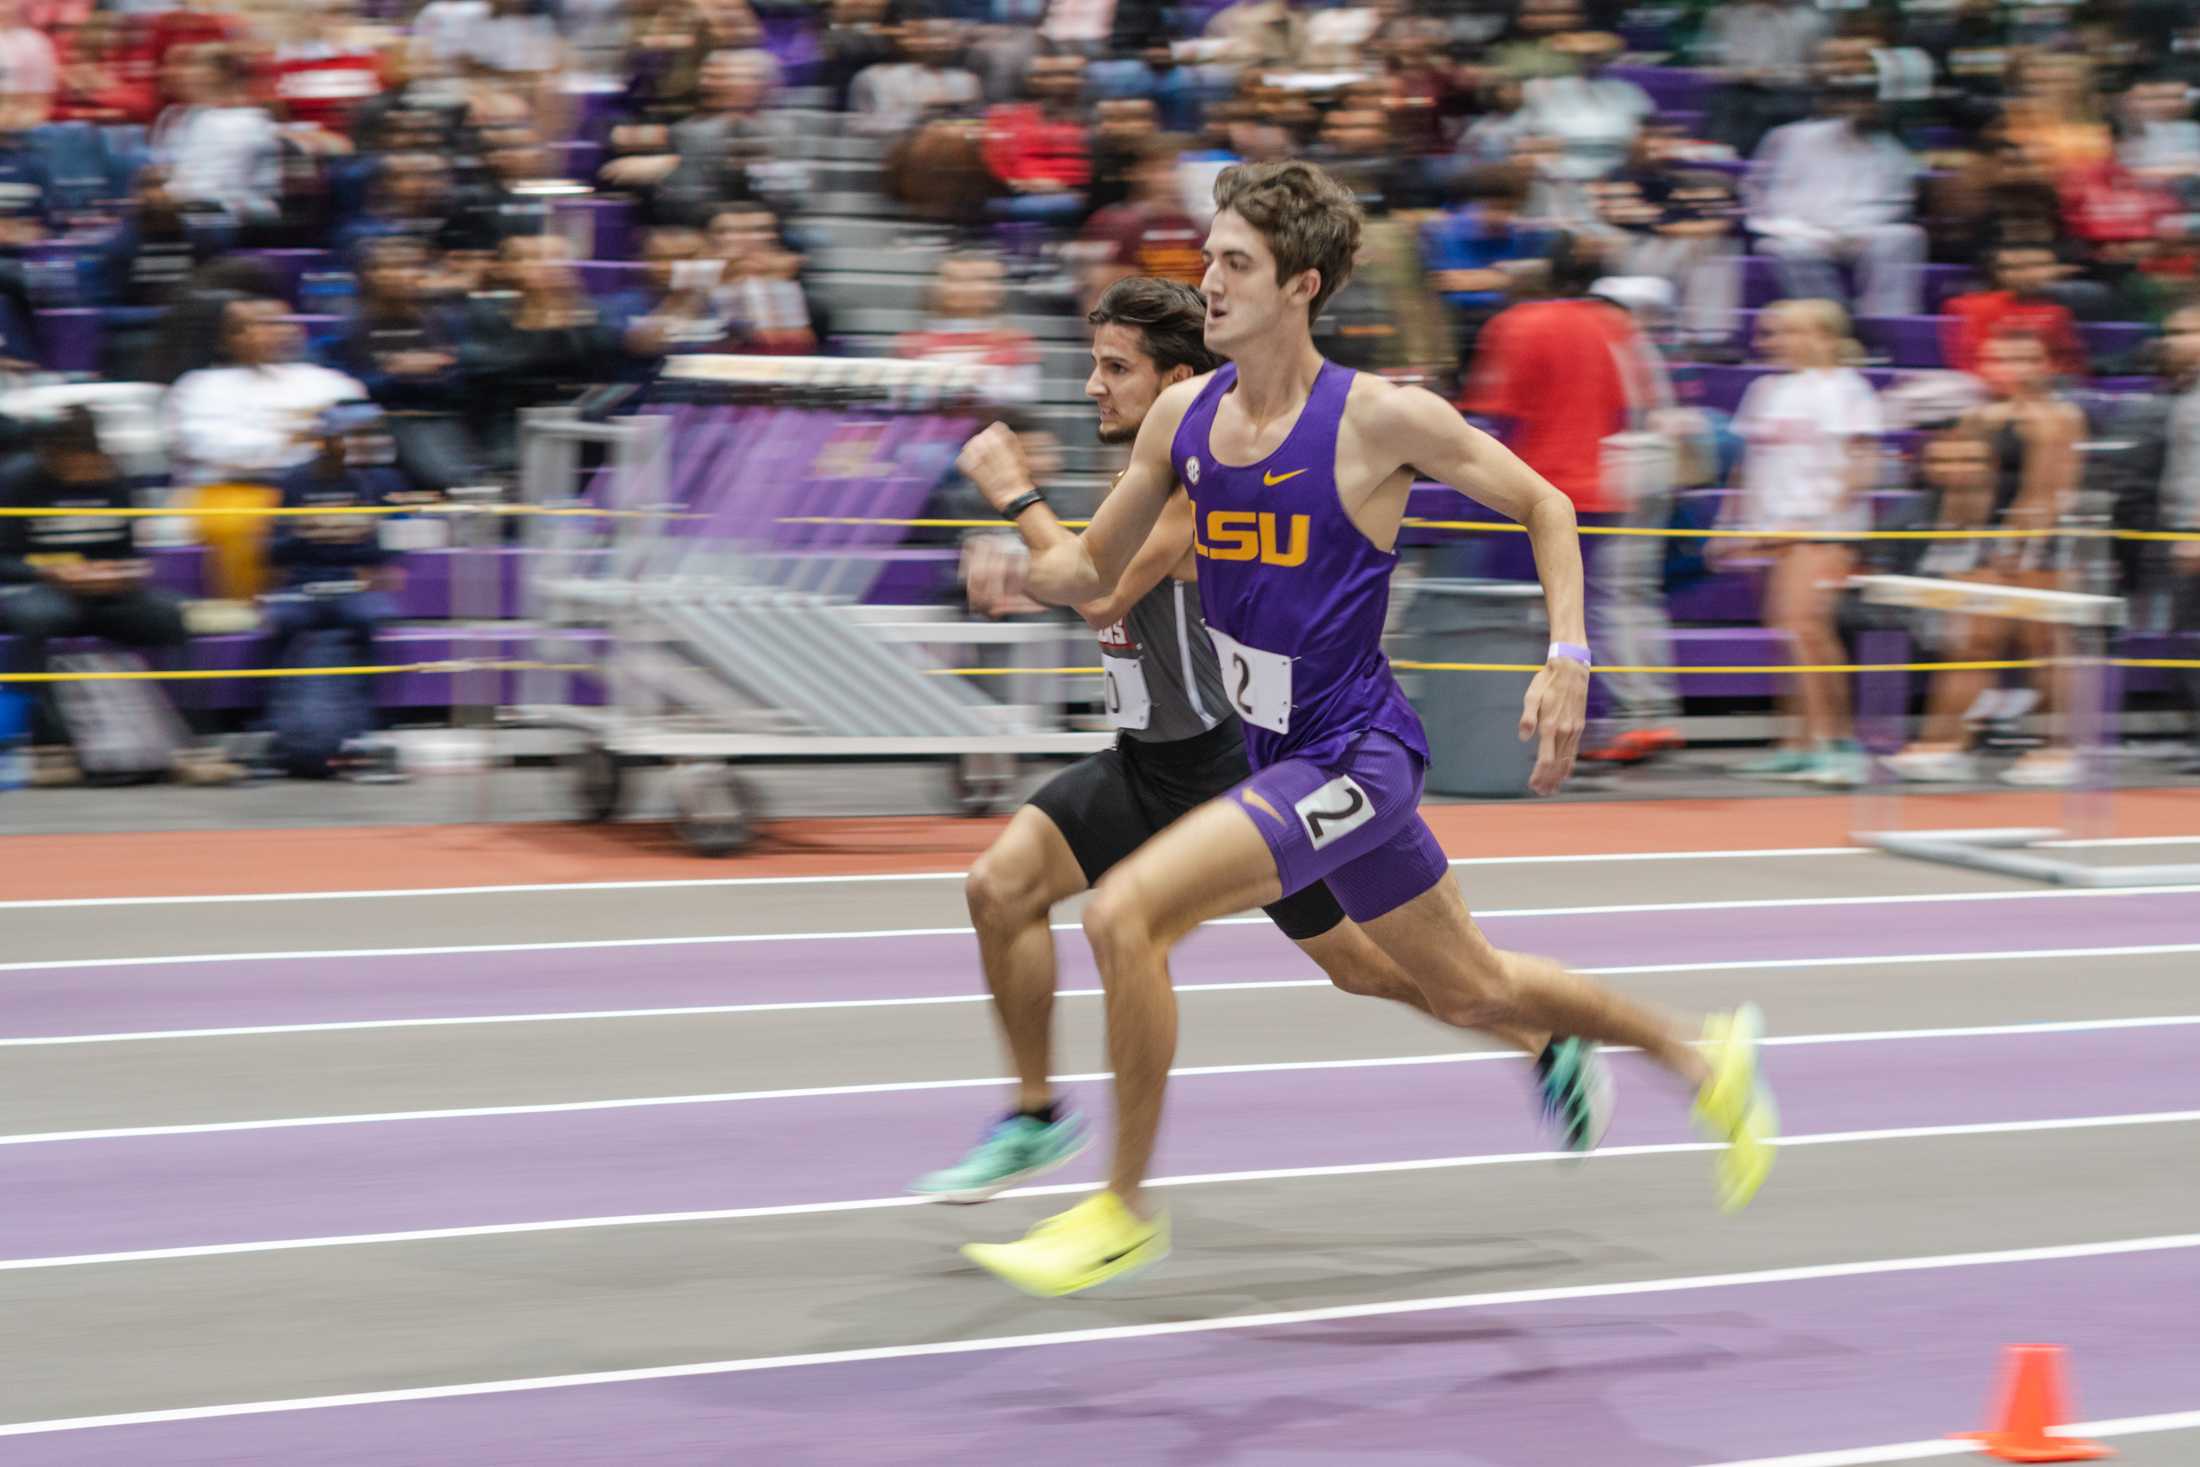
(1283, 569)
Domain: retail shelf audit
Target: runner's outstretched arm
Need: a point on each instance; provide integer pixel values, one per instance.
(1430, 435)
(1088, 567)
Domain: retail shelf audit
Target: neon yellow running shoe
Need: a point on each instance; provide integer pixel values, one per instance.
(1736, 1106)
(1097, 1240)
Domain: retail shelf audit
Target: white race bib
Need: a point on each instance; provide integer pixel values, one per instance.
(1129, 704)
(1257, 683)
(1335, 810)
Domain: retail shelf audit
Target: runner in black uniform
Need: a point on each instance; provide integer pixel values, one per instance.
(1179, 745)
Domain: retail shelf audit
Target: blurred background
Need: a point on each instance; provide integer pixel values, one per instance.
(747, 273)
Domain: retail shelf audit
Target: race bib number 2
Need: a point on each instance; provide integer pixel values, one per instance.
(1257, 683)
(1334, 811)
(1129, 704)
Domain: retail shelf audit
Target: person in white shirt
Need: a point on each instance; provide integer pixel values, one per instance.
(1841, 190)
(894, 96)
(251, 420)
(29, 71)
(1810, 458)
(1594, 119)
(221, 150)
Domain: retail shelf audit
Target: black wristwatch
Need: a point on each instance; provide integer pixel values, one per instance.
(1013, 510)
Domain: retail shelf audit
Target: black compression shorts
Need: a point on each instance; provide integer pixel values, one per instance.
(1109, 804)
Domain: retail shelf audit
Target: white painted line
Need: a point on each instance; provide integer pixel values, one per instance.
(1066, 1189)
(1511, 1298)
(1259, 985)
(678, 883)
(2120, 1426)
(1755, 904)
(911, 1087)
(707, 882)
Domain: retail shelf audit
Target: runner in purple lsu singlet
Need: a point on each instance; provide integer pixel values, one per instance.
(1295, 598)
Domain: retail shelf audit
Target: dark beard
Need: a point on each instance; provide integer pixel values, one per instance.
(1115, 435)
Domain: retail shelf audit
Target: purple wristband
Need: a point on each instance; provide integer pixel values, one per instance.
(1571, 651)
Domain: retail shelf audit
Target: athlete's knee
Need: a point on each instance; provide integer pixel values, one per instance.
(1119, 924)
(1003, 892)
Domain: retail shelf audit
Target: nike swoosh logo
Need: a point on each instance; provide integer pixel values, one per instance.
(1272, 480)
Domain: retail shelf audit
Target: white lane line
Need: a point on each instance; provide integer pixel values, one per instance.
(1510, 1298)
(680, 883)
(806, 1005)
(1065, 1189)
(2119, 1426)
(1755, 904)
(707, 882)
(902, 1087)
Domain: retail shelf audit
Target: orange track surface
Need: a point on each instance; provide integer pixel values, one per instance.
(198, 863)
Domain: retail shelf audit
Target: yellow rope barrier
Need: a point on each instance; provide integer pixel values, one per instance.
(2002, 665)
(1488, 527)
(336, 511)
(2014, 664)
(1662, 532)
(219, 674)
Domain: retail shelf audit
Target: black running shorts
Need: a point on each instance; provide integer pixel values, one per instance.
(1109, 804)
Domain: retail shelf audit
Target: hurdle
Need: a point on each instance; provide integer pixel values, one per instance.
(2017, 851)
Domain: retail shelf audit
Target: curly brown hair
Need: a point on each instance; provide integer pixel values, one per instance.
(1169, 316)
(1310, 221)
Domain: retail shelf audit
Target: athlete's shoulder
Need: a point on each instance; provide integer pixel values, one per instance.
(1378, 405)
(1170, 407)
(1178, 397)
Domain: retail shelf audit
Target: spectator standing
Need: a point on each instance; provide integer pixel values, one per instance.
(1613, 381)
(1809, 462)
(1841, 190)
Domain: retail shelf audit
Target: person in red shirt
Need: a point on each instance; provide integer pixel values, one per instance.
(2021, 273)
(1149, 233)
(107, 72)
(1573, 378)
(1037, 148)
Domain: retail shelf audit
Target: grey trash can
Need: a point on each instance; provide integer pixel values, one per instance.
(1473, 718)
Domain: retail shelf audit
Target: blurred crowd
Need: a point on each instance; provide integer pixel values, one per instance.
(346, 243)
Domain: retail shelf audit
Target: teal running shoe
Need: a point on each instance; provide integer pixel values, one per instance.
(1798, 764)
(1577, 1092)
(1014, 1151)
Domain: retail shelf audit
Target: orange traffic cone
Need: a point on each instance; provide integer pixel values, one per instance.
(2031, 1402)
